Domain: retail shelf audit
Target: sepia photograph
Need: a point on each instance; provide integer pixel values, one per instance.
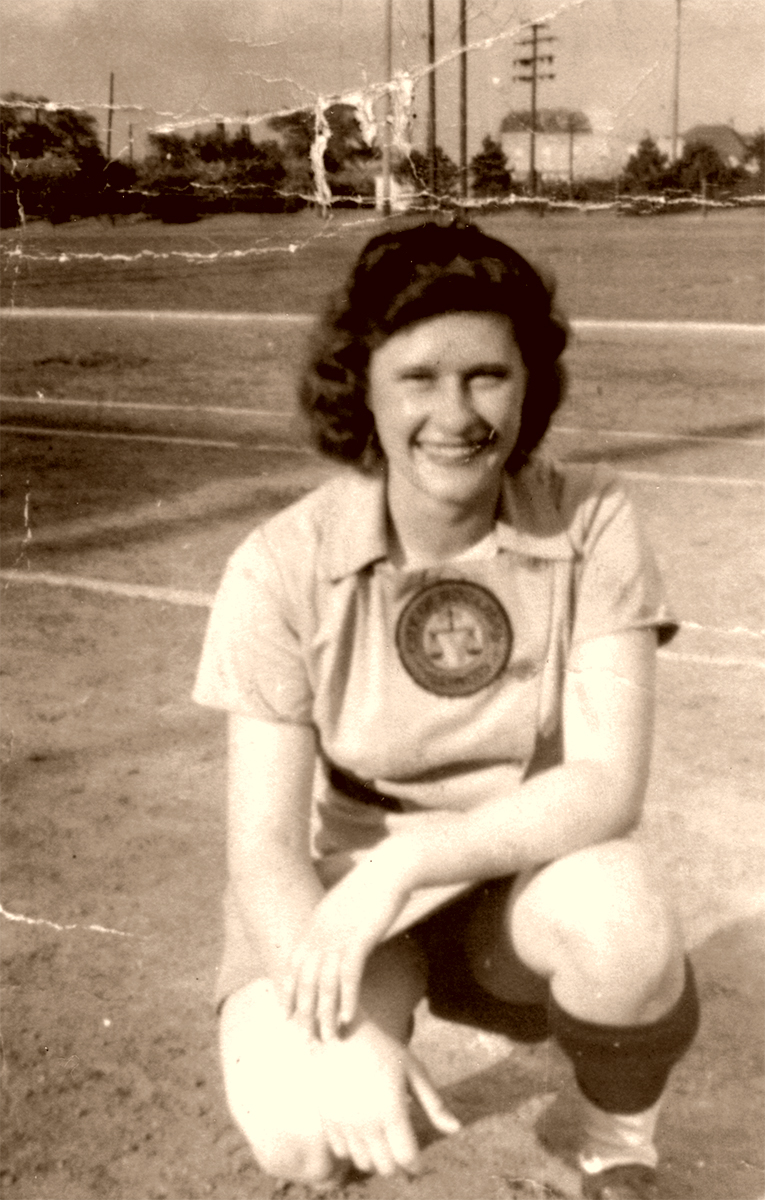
(383, 599)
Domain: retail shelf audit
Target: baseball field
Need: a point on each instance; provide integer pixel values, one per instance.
(148, 423)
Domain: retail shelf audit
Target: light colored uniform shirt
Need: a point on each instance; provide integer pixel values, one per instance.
(422, 682)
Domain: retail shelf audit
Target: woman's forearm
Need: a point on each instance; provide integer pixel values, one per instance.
(553, 814)
(270, 778)
(595, 794)
(277, 895)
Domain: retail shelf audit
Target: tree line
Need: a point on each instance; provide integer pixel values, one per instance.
(699, 169)
(52, 166)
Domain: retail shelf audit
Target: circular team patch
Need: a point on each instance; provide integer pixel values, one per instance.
(454, 637)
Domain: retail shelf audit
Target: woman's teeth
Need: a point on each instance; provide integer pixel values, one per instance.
(457, 451)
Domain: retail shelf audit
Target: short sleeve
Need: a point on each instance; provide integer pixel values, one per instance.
(251, 660)
(618, 582)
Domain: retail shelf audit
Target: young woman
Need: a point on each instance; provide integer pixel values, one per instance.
(439, 669)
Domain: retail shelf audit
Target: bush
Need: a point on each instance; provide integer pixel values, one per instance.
(58, 188)
(10, 203)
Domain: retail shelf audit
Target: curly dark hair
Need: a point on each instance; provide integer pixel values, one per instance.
(424, 271)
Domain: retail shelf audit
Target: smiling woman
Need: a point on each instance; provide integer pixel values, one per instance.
(402, 278)
(461, 637)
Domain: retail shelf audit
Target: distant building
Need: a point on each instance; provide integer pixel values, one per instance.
(723, 138)
(566, 146)
(570, 144)
(730, 146)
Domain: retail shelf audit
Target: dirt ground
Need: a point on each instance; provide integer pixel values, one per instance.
(113, 814)
(113, 867)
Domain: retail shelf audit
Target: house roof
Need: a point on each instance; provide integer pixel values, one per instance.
(549, 120)
(723, 138)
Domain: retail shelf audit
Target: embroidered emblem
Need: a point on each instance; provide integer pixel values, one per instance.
(454, 637)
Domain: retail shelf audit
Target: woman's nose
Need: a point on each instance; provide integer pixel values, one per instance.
(454, 400)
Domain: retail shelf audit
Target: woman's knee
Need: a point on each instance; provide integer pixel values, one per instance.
(268, 1081)
(603, 912)
(295, 1159)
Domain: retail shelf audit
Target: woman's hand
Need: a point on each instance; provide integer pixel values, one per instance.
(363, 1083)
(327, 964)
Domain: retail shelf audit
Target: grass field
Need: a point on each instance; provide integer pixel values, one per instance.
(118, 515)
(685, 266)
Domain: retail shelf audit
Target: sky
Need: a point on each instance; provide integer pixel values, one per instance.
(185, 63)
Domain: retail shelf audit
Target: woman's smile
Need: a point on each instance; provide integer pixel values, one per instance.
(456, 451)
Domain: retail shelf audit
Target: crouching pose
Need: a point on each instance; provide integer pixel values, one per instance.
(439, 669)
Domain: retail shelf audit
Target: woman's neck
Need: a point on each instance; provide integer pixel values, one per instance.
(425, 531)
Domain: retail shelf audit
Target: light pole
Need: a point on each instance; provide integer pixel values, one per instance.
(110, 118)
(432, 98)
(463, 101)
(531, 62)
(676, 86)
(388, 108)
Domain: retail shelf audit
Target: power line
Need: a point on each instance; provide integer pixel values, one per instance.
(531, 63)
(676, 85)
(388, 115)
(110, 118)
(463, 101)
(432, 98)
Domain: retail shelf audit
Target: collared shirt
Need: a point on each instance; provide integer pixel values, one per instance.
(413, 677)
(422, 683)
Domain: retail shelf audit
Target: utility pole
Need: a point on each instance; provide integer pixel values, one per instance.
(531, 63)
(109, 119)
(388, 112)
(463, 101)
(676, 85)
(432, 98)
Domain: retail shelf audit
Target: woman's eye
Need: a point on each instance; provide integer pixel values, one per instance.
(488, 378)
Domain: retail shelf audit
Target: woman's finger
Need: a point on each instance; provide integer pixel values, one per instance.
(338, 1142)
(304, 1003)
(378, 1150)
(359, 1153)
(351, 970)
(403, 1144)
(441, 1117)
(328, 998)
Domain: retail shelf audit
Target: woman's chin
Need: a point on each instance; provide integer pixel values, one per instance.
(459, 479)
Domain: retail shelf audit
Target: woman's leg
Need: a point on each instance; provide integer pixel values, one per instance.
(597, 926)
(597, 929)
(268, 1071)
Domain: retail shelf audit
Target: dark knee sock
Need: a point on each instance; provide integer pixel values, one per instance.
(624, 1069)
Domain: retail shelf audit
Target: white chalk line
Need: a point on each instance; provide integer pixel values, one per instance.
(698, 480)
(168, 314)
(182, 598)
(217, 410)
(713, 660)
(212, 443)
(286, 448)
(580, 323)
(106, 587)
(738, 630)
(651, 435)
(629, 326)
(224, 410)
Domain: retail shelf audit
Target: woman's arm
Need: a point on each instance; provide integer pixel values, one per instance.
(594, 795)
(271, 770)
(365, 1080)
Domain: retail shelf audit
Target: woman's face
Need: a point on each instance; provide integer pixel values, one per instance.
(446, 394)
